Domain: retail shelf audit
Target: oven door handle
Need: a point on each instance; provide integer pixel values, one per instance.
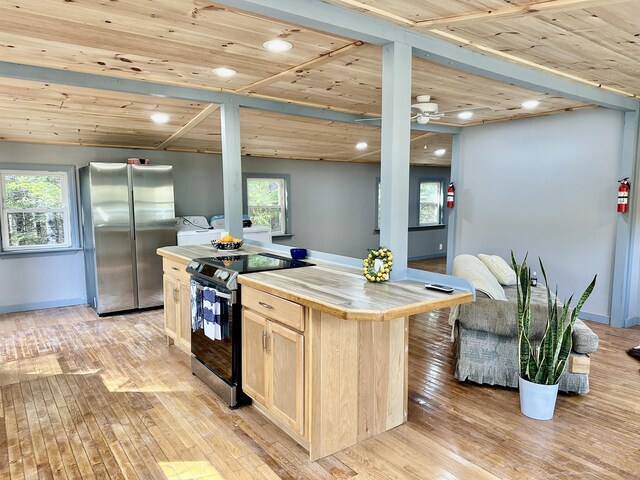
(227, 296)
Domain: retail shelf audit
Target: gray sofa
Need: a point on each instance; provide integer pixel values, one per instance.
(485, 335)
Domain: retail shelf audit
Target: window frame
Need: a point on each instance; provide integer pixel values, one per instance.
(440, 220)
(419, 226)
(70, 207)
(286, 197)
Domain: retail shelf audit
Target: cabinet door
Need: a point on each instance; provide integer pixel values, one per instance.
(286, 365)
(184, 314)
(254, 331)
(170, 288)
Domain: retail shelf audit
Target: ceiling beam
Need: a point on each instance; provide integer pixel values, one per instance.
(316, 62)
(533, 8)
(141, 87)
(197, 120)
(428, 127)
(342, 21)
(368, 154)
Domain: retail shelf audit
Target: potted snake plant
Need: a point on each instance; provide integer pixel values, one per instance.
(543, 361)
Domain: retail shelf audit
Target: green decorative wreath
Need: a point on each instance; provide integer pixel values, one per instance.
(377, 265)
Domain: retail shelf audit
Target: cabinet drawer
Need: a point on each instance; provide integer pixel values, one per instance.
(175, 269)
(276, 308)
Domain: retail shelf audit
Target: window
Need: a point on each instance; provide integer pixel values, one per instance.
(37, 210)
(427, 211)
(267, 201)
(430, 203)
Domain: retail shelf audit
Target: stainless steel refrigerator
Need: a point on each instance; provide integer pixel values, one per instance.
(127, 213)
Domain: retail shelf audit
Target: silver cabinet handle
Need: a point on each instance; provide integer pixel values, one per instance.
(264, 341)
(265, 305)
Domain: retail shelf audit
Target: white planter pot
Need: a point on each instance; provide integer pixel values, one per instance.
(537, 401)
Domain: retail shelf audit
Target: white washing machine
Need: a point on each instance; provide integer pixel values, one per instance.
(195, 230)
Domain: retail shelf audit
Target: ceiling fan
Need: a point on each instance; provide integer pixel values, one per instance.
(424, 110)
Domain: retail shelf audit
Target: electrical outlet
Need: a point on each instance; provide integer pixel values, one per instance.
(440, 247)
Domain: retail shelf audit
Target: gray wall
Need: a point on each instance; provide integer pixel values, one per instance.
(333, 206)
(546, 186)
(333, 210)
(56, 280)
(197, 177)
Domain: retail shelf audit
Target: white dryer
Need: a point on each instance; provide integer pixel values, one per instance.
(195, 230)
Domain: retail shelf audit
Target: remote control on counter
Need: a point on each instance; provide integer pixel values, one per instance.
(438, 287)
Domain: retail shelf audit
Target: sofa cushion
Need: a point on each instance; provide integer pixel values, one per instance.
(584, 340)
(472, 268)
(499, 268)
(501, 318)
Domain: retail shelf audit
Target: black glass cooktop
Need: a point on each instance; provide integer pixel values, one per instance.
(250, 263)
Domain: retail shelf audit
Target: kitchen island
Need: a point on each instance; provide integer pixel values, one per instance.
(324, 351)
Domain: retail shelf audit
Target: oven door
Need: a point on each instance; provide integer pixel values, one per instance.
(215, 333)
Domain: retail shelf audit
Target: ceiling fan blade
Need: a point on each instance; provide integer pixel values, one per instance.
(368, 119)
(472, 109)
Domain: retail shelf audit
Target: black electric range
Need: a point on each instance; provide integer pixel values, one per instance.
(216, 318)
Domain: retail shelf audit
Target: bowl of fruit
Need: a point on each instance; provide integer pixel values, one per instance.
(227, 243)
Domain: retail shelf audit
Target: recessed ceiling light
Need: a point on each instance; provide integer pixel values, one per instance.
(440, 152)
(465, 115)
(529, 104)
(361, 145)
(160, 117)
(277, 45)
(224, 72)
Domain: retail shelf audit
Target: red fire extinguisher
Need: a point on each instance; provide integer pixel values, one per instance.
(623, 195)
(451, 195)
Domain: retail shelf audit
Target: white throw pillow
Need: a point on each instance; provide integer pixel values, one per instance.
(500, 269)
(471, 268)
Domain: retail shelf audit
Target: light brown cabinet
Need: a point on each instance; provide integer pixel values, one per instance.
(254, 338)
(171, 309)
(328, 382)
(273, 358)
(285, 363)
(177, 305)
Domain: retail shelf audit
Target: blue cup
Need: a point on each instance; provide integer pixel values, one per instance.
(298, 253)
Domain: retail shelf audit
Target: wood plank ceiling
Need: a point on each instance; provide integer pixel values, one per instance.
(179, 42)
(591, 41)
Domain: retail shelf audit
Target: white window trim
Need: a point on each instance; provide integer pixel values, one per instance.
(440, 184)
(66, 210)
(283, 199)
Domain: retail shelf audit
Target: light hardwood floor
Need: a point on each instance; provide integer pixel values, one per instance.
(88, 397)
(437, 265)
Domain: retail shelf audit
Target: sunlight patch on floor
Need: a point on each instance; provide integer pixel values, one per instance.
(119, 384)
(28, 369)
(189, 471)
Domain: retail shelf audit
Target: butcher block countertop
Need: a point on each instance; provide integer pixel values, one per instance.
(337, 290)
(348, 295)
